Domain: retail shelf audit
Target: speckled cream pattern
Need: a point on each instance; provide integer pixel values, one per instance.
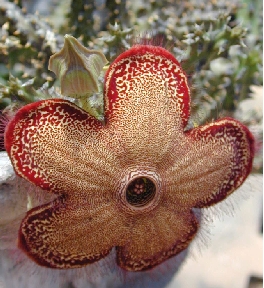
(89, 165)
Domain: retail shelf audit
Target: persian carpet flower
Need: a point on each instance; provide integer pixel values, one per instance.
(129, 183)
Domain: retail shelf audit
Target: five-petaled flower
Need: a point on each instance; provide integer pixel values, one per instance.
(131, 182)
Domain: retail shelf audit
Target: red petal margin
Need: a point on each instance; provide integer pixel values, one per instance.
(46, 225)
(133, 61)
(237, 135)
(9, 130)
(28, 121)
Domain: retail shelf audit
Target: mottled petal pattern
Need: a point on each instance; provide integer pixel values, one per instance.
(147, 94)
(131, 182)
(228, 145)
(62, 235)
(48, 136)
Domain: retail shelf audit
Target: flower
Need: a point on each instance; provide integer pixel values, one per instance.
(130, 183)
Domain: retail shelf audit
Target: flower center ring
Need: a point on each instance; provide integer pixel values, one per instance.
(139, 191)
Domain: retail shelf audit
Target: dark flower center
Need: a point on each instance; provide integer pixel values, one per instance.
(140, 191)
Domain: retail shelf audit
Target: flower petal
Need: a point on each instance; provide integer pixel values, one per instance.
(215, 160)
(59, 147)
(156, 237)
(61, 235)
(146, 94)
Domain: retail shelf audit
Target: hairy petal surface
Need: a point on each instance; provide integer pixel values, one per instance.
(62, 235)
(155, 237)
(214, 162)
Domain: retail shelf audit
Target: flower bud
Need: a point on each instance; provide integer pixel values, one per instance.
(78, 68)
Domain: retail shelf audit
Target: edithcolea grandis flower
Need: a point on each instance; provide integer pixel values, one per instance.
(130, 182)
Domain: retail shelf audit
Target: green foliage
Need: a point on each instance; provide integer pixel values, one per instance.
(81, 19)
(26, 43)
(16, 93)
(114, 41)
(87, 17)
